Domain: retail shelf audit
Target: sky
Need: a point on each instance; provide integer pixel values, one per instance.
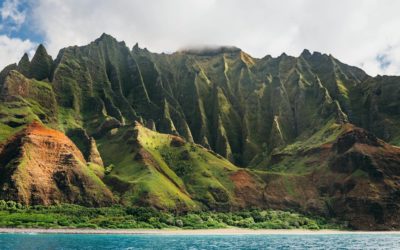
(363, 33)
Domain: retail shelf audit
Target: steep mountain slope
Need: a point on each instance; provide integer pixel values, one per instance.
(167, 172)
(224, 99)
(218, 129)
(24, 100)
(354, 177)
(42, 166)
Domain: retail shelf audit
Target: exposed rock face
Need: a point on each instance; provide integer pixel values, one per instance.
(86, 144)
(248, 189)
(94, 155)
(42, 166)
(177, 141)
(107, 125)
(371, 202)
(356, 136)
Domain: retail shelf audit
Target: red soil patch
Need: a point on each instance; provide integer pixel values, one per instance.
(38, 129)
(248, 190)
(242, 179)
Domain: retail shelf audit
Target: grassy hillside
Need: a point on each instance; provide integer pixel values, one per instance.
(165, 171)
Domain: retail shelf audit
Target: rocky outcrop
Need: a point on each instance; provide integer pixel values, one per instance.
(94, 155)
(107, 125)
(42, 166)
(86, 144)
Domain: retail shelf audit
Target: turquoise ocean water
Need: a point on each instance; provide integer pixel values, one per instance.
(76, 241)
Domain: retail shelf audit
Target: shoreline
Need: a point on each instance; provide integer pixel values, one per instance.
(224, 231)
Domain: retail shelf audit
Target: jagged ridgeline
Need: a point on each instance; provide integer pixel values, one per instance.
(210, 128)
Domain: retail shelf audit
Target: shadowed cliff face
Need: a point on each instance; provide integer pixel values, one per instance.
(172, 129)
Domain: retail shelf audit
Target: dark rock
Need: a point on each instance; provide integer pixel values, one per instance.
(177, 141)
(107, 125)
(348, 139)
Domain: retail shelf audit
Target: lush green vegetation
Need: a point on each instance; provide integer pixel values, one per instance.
(13, 214)
(169, 173)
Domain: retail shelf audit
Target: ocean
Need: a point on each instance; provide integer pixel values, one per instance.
(97, 242)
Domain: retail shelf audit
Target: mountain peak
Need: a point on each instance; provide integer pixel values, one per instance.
(25, 57)
(105, 37)
(283, 55)
(305, 53)
(41, 49)
(136, 47)
(41, 64)
(24, 65)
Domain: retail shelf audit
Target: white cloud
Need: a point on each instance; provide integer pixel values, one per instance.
(9, 12)
(354, 31)
(12, 49)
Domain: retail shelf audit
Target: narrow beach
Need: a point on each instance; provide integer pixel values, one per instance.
(225, 231)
